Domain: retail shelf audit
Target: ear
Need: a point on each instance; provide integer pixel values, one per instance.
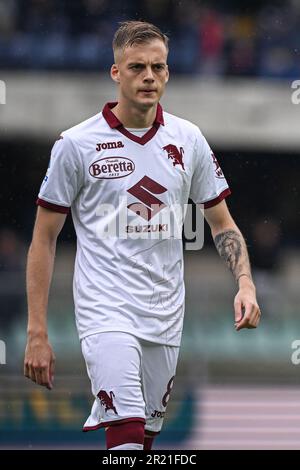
(114, 73)
(167, 75)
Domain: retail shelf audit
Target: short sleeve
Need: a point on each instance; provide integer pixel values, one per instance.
(63, 179)
(208, 185)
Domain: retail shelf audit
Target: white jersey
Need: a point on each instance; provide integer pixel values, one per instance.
(120, 187)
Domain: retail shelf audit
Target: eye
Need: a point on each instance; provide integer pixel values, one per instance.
(136, 66)
(159, 66)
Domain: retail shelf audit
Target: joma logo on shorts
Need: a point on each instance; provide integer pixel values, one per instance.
(158, 414)
(107, 400)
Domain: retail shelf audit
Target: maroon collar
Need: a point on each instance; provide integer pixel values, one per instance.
(114, 123)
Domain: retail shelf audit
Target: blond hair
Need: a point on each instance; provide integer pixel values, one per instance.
(136, 32)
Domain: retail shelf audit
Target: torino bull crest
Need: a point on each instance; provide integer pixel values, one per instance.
(175, 154)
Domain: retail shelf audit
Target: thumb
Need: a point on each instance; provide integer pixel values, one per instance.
(238, 310)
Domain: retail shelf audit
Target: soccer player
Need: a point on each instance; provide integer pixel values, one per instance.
(136, 161)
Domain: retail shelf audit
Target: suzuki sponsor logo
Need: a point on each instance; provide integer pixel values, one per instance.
(111, 167)
(147, 228)
(144, 190)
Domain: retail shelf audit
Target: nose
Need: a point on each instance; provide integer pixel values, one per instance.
(148, 74)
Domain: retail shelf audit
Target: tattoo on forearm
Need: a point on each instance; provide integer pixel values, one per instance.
(230, 247)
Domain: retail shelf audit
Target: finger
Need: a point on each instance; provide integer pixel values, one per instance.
(249, 310)
(42, 374)
(242, 324)
(46, 377)
(26, 370)
(31, 373)
(51, 372)
(257, 317)
(249, 321)
(254, 317)
(238, 310)
(38, 375)
(248, 314)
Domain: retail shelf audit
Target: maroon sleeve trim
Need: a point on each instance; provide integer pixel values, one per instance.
(218, 199)
(151, 433)
(112, 423)
(52, 207)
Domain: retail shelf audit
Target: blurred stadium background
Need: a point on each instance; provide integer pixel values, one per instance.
(232, 69)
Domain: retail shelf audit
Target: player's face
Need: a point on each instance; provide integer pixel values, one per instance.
(142, 73)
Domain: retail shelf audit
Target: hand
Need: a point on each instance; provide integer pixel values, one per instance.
(246, 309)
(39, 362)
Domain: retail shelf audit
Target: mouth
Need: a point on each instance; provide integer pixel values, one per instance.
(147, 91)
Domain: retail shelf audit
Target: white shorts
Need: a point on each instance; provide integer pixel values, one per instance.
(131, 379)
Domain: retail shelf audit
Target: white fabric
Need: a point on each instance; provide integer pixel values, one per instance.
(139, 132)
(135, 378)
(126, 284)
(129, 446)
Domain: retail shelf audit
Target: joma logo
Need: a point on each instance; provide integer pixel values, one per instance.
(109, 145)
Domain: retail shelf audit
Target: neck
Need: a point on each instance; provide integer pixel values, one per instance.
(132, 116)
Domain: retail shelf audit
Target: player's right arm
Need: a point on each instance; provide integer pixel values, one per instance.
(39, 357)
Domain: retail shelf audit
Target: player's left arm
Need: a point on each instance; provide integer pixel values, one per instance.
(232, 248)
